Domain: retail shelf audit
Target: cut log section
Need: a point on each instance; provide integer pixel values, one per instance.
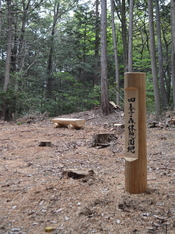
(102, 140)
(170, 121)
(153, 124)
(119, 126)
(114, 105)
(45, 143)
(77, 174)
(70, 123)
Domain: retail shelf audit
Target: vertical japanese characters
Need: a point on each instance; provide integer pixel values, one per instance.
(131, 126)
(135, 132)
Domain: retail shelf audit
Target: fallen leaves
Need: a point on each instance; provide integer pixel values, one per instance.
(74, 188)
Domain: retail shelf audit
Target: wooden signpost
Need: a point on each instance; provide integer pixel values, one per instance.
(135, 132)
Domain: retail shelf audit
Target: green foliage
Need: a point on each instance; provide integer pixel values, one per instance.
(80, 98)
(75, 66)
(150, 103)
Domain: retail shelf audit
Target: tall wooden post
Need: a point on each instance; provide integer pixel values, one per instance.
(135, 132)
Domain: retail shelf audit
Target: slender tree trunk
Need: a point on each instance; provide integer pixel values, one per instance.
(84, 40)
(153, 60)
(97, 43)
(49, 71)
(5, 109)
(115, 54)
(19, 37)
(160, 59)
(18, 52)
(131, 6)
(97, 29)
(104, 78)
(21, 52)
(49, 63)
(173, 73)
(58, 11)
(173, 48)
(120, 7)
(0, 16)
(9, 47)
(124, 36)
(167, 72)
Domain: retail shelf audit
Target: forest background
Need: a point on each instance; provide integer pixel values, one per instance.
(50, 54)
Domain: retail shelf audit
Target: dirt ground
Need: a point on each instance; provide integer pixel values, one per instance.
(75, 188)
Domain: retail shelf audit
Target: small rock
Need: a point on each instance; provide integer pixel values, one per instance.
(41, 203)
(59, 210)
(35, 224)
(150, 228)
(118, 221)
(53, 222)
(16, 230)
(31, 212)
(146, 214)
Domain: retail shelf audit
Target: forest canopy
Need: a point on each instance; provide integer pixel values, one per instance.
(50, 54)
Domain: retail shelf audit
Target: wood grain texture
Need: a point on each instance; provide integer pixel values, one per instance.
(136, 169)
(77, 123)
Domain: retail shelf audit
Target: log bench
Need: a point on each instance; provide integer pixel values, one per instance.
(69, 123)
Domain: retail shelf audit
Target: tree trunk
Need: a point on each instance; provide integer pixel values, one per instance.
(160, 59)
(97, 43)
(173, 48)
(9, 47)
(131, 6)
(115, 54)
(104, 78)
(153, 60)
(58, 11)
(0, 17)
(49, 63)
(124, 36)
(21, 52)
(19, 37)
(122, 17)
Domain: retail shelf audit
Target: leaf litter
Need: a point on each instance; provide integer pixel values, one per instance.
(68, 187)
